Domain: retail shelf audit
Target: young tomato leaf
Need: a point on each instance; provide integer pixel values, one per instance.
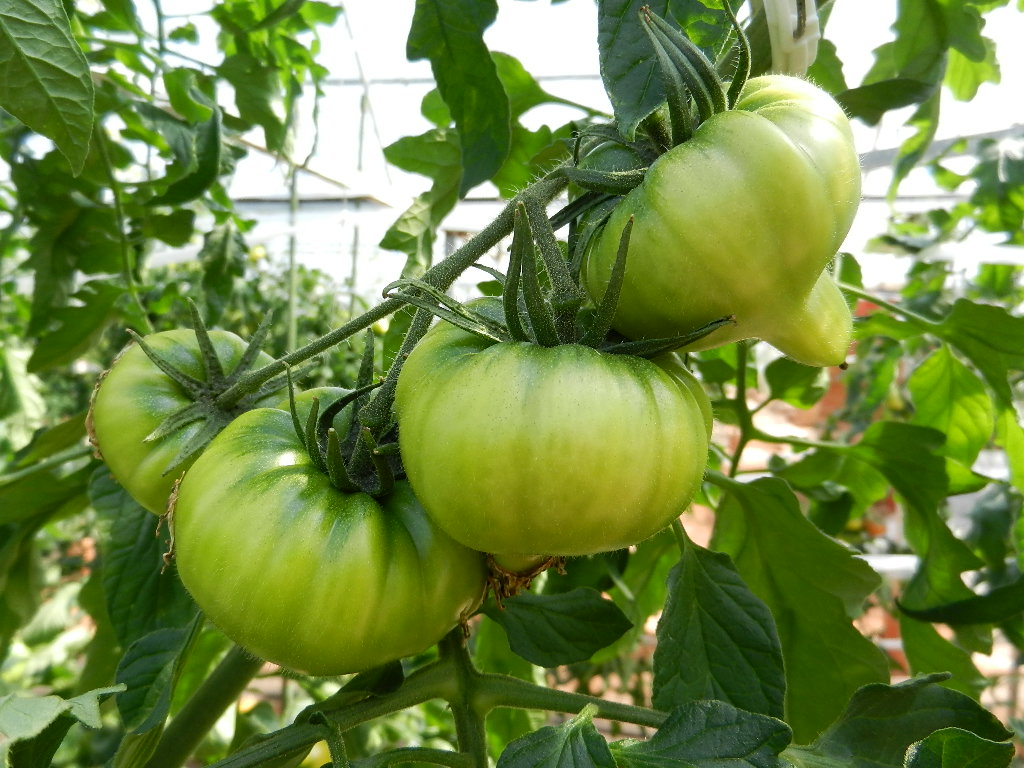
(883, 721)
(551, 630)
(813, 581)
(957, 748)
(450, 35)
(79, 326)
(716, 639)
(574, 744)
(708, 734)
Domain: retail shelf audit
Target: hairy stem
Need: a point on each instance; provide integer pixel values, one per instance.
(441, 276)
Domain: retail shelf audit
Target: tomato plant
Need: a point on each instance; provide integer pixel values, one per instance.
(520, 449)
(742, 219)
(135, 397)
(254, 509)
(740, 632)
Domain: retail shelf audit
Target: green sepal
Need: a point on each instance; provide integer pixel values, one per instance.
(510, 294)
(609, 182)
(192, 386)
(652, 347)
(311, 438)
(677, 92)
(445, 307)
(252, 350)
(742, 72)
(335, 460)
(566, 297)
(605, 314)
(212, 368)
(687, 65)
(542, 319)
(495, 273)
(385, 475)
(595, 221)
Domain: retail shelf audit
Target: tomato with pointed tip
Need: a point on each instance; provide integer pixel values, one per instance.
(742, 220)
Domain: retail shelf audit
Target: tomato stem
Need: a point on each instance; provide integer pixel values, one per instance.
(441, 276)
(185, 732)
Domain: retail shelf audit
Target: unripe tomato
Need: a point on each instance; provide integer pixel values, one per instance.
(305, 575)
(742, 220)
(134, 398)
(519, 449)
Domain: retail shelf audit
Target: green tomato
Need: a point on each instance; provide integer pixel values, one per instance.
(742, 220)
(304, 575)
(133, 399)
(518, 449)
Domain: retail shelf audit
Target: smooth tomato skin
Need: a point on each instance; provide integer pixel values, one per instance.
(134, 397)
(306, 576)
(742, 220)
(518, 449)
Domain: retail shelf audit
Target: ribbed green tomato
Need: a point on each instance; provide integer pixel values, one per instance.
(742, 220)
(519, 449)
(134, 397)
(304, 575)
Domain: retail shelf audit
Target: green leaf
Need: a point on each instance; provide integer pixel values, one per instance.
(641, 589)
(435, 154)
(141, 595)
(563, 628)
(47, 442)
(574, 744)
(990, 337)
(708, 734)
(20, 580)
(927, 652)
(995, 606)
(186, 99)
(799, 385)
(208, 149)
(256, 86)
(32, 723)
(926, 122)
(716, 640)
(149, 671)
(965, 76)
(906, 455)
(78, 326)
(957, 748)
(46, 82)
(41, 493)
(450, 35)
(949, 397)
(223, 257)
(814, 584)
(883, 721)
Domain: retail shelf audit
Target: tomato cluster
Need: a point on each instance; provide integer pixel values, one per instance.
(524, 432)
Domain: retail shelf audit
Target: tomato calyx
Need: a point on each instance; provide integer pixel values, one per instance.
(506, 581)
(542, 301)
(694, 91)
(203, 391)
(344, 449)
